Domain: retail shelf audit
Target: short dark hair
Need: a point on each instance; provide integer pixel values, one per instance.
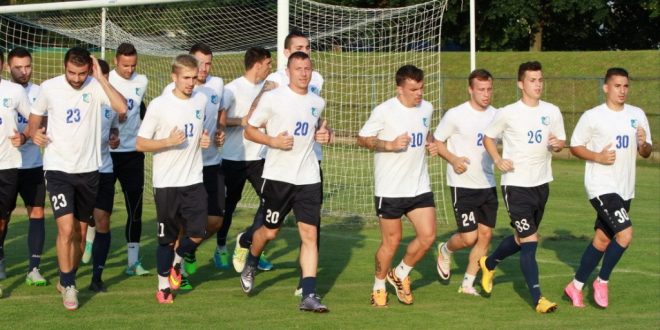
(126, 49)
(611, 72)
(297, 56)
(202, 48)
(19, 52)
(78, 56)
(479, 74)
(408, 71)
(254, 55)
(293, 34)
(528, 66)
(105, 68)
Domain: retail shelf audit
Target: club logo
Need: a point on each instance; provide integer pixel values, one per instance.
(545, 120)
(86, 97)
(6, 102)
(425, 121)
(314, 90)
(198, 114)
(633, 123)
(315, 112)
(137, 91)
(107, 113)
(214, 99)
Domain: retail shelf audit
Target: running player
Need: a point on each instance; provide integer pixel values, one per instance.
(128, 163)
(72, 153)
(609, 137)
(470, 177)
(173, 129)
(291, 173)
(530, 129)
(14, 106)
(398, 131)
(31, 184)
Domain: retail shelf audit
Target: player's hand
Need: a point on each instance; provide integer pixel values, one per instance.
(460, 164)
(244, 121)
(641, 136)
(283, 141)
(122, 117)
(504, 165)
(40, 138)
(269, 85)
(96, 69)
(17, 139)
(205, 140)
(176, 137)
(400, 143)
(323, 133)
(606, 156)
(219, 138)
(432, 148)
(113, 139)
(555, 144)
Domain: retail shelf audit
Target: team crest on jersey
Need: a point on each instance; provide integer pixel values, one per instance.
(137, 91)
(214, 99)
(314, 90)
(633, 123)
(6, 102)
(425, 121)
(315, 112)
(107, 113)
(545, 120)
(86, 97)
(198, 114)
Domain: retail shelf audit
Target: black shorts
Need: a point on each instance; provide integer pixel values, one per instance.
(526, 206)
(280, 197)
(396, 207)
(105, 198)
(214, 182)
(8, 185)
(611, 213)
(128, 167)
(31, 186)
(72, 193)
(180, 208)
(473, 207)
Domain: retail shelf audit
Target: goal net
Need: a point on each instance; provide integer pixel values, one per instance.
(356, 50)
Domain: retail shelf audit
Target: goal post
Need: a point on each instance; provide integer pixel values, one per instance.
(356, 50)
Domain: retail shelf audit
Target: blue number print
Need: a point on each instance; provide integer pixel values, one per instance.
(72, 116)
(21, 119)
(0, 121)
(130, 104)
(301, 129)
(188, 129)
(480, 139)
(417, 140)
(622, 141)
(534, 137)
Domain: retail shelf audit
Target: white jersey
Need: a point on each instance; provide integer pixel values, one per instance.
(525, 131)
(178, 166)
(237, 100)
(29, 151)
(13, 101)
(284, 110)
(601, 126)
(133, 90)
(74, 124)
(404, 173)
(467, 141)
(213, 89)
(315, 86)
(109, 119)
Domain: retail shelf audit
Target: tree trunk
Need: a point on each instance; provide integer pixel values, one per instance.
(537, 43)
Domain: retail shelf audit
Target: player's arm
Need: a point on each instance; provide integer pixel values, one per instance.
(220, 127)
(644, 148)
(490, 144)
(324, 133)
(117, 101)
(282, 141)
(268, 85)
(374, 143)
(605, 157)
(175, 138)
(459, 164)
(36, 131)
(555, 144)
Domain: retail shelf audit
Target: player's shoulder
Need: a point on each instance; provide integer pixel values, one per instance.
(55, 82)
(140, 79)
(633, 109)
(199, 96)
(548, 106)
(10, 87)
(214, 82)
(426, 106)
(277, 77)
(316, 76)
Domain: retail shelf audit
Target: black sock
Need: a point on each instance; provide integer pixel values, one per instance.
(36, 237)
(186, 246)
(100, 250)
(308, 286)
(164, 258)
(530, 269)
(3, 235)
(507, 247)
(68, 279)
(252, 260)
(590, 259)
(613, 254)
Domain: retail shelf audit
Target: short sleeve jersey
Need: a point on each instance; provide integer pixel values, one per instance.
(13, 101)
(601, 126)
(284, 110)
(181, 165)
(133, 90)
(467, 141)
(525, 132)
(237, 100)
(404, 173)
(315, 86)
(29, 151)
(74, 124)
(109, 119)
(213, 89)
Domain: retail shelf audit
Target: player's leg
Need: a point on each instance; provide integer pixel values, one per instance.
(8, 187)
(235, 177)
(193, 216)
(254, 172)
(167, 232)
(465, 213)
(389, 211)
(32, 190)
(101, 244)
(298, 291)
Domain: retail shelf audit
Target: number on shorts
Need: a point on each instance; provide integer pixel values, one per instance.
(59, 201)
(467, 218)
(521, 225)
(161, 229)
(272, 216)
(622, 215)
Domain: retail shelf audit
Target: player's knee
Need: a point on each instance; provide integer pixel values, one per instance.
(36, 212)
(102, 225)
(213, 225)
(270, 233)
(469, 239)
(624, 238)
(426, 241)
(392, 240)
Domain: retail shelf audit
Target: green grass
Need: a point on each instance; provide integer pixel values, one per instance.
(346, 275)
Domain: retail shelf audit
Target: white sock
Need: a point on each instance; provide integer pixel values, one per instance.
(379, 284)
(133, 253)
(445, 249)
(601, 280)
(221, 248)
(163, 282)
(91, 233)
(177, 259)
(468, 280)
(577, 284)
(402, 270)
